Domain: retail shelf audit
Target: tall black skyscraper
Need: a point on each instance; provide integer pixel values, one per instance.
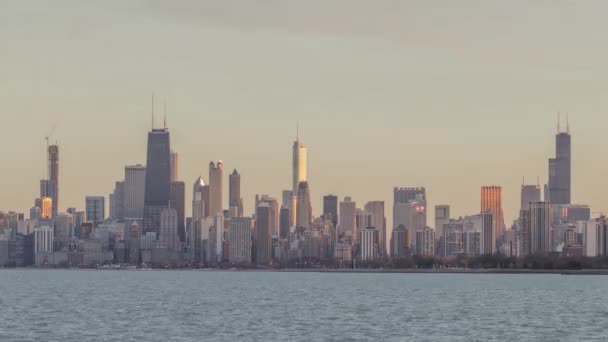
(158, 179)
(330, 207)
(560, 168)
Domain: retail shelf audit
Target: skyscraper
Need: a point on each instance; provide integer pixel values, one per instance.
(46, 208)
(304, 206)
(215, 188)
(271, 202)
(265, 215)
(559, 187)
(117, 208)
(45, 188)
(95, 209)
(240, 240)
(178, 202)
(540, 228)
(425, 241)
(169, 235)
(378, 221)
(200, 199)
(347, 223)
(491, 199)
(369, 244)
(525, 233)
(158, 179)
(134, 192)
(174, 166)
(234, 193)
(488, 245)
(299, 164)
(53, 153)
(330, 208)
(529, 193)
(442, 216)
(400, 241)
(409, 209)
(284, 223)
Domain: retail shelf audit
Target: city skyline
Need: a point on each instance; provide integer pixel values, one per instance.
(316, 199)
(413, 108)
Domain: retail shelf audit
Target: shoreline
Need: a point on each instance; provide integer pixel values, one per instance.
(343, 271)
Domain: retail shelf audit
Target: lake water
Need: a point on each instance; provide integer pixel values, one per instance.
(63, 305)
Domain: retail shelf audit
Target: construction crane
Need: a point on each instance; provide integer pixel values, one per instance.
(48, 136)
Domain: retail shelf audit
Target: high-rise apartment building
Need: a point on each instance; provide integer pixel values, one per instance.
(347, 223)
(240, 240)
(425, 242)
(401, 242)
(330, 208)
(491, 199)
(378, 221)
(43, 239)
(271, 202)
(488, 244)
(304, 206)
(284, 223)
(540, 228)
(442, 216)
(369, 244)
(134, 192)
(216, 188)
(265, 216)
(409, 209)
(117, 208)
(178, 202)
(200, 199)
(95, 208)
(169, 236)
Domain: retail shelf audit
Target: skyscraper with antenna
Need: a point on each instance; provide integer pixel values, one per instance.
(158, 177)
(299, 162)
(49, 187)
(559, 187)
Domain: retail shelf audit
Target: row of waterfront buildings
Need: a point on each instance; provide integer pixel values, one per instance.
(146, 221)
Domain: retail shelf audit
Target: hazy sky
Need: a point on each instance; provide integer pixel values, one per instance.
(450, 95)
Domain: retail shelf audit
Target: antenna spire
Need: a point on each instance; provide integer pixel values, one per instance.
(165, 117)
(298, 131)
(567, 124)
(152, 110)
(558, 122)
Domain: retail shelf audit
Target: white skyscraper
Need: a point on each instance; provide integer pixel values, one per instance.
(378, 221)
(43, 240)
(299, 164)
(369, 244)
